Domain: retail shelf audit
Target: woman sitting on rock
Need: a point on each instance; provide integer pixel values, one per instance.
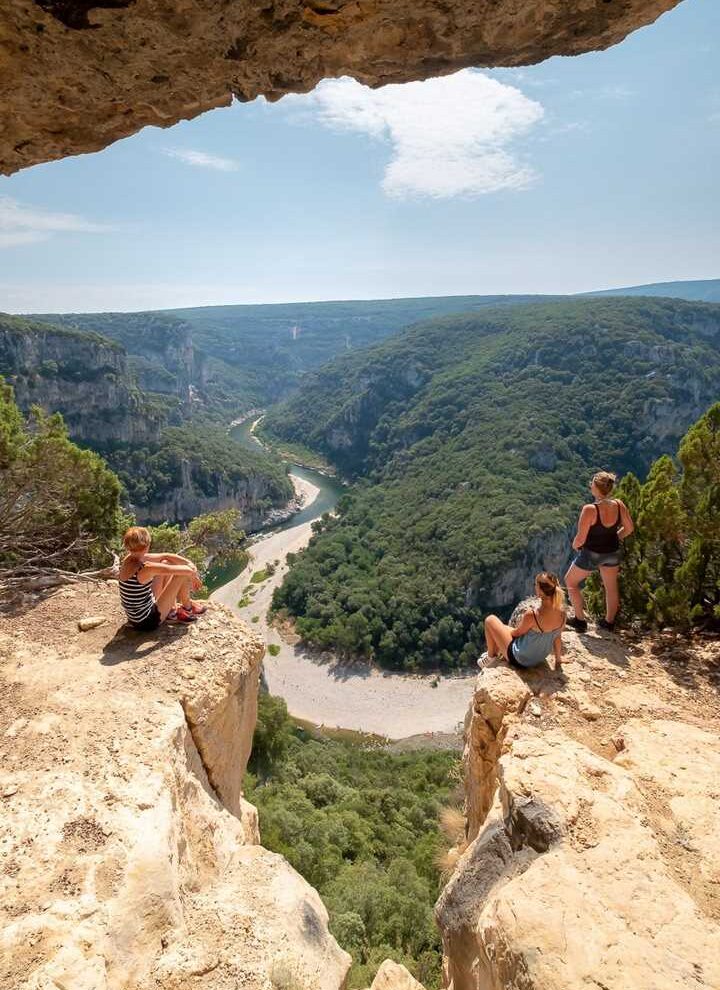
(537, 634)
(601, 528)
(156, 586)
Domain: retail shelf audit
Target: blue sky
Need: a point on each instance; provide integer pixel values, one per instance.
(576, 174)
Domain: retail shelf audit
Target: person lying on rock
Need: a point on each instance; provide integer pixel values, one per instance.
(156, 586)
(537, 634)
(601, 528)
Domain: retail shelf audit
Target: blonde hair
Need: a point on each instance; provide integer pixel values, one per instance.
(604, 481)
(549, 585)
(136, 538)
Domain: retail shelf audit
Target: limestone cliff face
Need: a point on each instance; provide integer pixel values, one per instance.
(129, 859)
(253, 497)
(82, 376)
(591, 802)
(544, 552)
(80, 74)
(160, 348)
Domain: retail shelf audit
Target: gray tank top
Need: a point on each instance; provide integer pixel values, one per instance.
(535, 646)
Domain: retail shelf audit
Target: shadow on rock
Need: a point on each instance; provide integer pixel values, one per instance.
(129, 644)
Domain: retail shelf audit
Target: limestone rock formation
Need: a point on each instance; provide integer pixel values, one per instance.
(592, 862)
(79, 74)
(394, 976)
(83, 376)
(128, 857)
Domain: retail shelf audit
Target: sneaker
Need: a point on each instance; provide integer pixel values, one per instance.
(579, 625)
(607, 626)
(183, 615)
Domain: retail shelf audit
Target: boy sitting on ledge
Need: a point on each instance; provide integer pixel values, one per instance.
(156, 586)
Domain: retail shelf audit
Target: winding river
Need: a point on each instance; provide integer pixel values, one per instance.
(320, 687)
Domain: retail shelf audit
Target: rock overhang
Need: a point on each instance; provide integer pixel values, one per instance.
(78, 75)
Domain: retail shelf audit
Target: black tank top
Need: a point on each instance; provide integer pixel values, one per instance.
(601, 538)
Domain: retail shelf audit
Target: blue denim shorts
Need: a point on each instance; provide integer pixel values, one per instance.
(588, 560)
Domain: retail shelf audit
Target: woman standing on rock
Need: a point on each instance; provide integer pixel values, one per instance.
(155, 586)
(537, 635)
(601, 528)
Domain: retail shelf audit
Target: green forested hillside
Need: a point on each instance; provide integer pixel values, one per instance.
(694, 290)
(167, 458)
(238, 357)
(473, 438)
(233, 358)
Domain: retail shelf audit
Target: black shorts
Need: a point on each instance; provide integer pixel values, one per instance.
(150, 622)
(511, 656)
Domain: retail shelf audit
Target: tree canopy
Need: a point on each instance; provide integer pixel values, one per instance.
(59, 505)
(361, 825)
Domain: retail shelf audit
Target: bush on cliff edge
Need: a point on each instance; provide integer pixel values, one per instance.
(59, 505)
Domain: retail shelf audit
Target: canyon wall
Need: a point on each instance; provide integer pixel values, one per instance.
(251, 496)
(83, 376)
(129, 859)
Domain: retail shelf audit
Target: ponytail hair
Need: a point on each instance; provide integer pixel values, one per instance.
(549, 585)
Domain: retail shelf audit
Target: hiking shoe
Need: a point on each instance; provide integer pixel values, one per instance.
(607, 626)
(579, 625)
(184, 615)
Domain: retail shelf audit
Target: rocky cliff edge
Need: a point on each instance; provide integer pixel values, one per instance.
(128, 857)
(593, 819)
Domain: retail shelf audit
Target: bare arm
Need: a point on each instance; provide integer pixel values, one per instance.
(524, 625)
(628, 526)
(584, 523)
(153, 568)
(168, 558)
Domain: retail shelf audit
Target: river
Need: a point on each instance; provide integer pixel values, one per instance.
(322, 688)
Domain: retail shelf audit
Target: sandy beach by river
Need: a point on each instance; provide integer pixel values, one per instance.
(325, 690)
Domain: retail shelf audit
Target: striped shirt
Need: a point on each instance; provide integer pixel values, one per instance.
(137, 599)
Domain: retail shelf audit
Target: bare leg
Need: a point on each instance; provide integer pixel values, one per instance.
(498, 636)
(159, 584)
(609, 577)
(176, 589)
(573, 579)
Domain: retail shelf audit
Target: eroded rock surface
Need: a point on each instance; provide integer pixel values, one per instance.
(77, 75)
(394, 976)
(128, 857)
(591, 859)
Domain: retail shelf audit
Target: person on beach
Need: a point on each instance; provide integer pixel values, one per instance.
(602, 527)
(537, 634)
(156, 586)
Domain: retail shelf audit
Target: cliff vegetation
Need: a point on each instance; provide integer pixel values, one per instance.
(360, 823)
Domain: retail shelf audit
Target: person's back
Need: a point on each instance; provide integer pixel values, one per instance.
(535, 646)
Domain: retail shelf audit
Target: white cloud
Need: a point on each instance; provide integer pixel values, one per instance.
(20, 224)
(450, 136)
(202, 160)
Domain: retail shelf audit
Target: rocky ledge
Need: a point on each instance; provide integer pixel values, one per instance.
(128, 856)
(591, 857)
(79, 74)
